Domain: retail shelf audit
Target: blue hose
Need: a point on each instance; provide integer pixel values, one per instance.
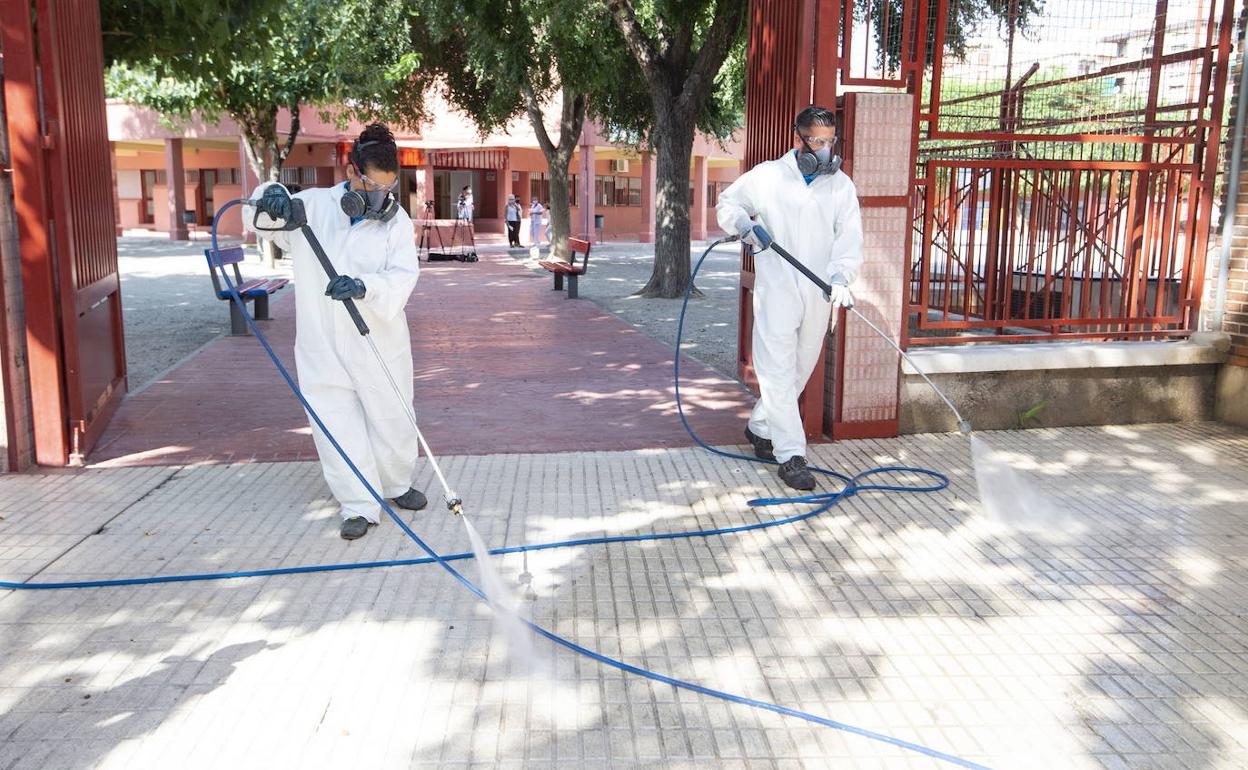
(823, 501)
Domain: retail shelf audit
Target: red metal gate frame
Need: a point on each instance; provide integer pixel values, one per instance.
(785, 39)
(69, 258)
(1199, 145)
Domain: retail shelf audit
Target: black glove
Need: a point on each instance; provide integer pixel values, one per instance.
(275, 202)
(345, 287)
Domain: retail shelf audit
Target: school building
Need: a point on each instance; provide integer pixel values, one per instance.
(607, 180)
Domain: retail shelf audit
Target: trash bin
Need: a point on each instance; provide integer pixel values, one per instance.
(600, 221)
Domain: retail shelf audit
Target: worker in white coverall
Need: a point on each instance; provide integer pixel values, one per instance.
(810, 208)
(369, 240)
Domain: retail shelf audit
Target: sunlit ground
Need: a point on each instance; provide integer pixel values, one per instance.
(1119, 641)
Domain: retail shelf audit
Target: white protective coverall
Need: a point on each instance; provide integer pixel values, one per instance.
(338, 374)
(820, 225)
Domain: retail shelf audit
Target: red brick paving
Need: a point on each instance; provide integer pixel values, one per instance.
(502, 364)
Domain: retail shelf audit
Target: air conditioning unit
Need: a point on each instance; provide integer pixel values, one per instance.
(619, 166)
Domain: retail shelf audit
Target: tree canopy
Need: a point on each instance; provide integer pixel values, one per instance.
(249, 60)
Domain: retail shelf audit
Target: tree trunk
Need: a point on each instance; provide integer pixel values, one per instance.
(679, 81)
(558, 158)
(560, 210)
(673, 139)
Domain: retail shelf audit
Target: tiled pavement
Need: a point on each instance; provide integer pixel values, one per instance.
(502, 364)
(1118, 641)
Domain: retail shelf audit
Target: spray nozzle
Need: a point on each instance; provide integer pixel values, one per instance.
(964, 427)
(455, 506)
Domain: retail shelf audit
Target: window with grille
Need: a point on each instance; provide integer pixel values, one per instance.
(539, 187)
(617, 191)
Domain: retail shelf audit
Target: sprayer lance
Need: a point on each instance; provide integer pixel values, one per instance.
(964, 425)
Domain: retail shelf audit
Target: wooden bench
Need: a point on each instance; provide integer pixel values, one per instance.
(570, 269)
(257, 291)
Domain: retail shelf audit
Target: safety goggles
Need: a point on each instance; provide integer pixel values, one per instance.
(371, 185)
(816, 142)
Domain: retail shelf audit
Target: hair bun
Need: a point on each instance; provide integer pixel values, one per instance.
(376, 132)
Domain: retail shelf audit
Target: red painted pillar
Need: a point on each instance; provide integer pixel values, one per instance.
(175, 175)
(700, 180)
(112, 162)
(647, 198)
(503, 189)
(431, 190)
(585, 194)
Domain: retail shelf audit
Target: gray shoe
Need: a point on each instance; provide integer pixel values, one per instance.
(412, 500)
(354, 528)
(793, 472)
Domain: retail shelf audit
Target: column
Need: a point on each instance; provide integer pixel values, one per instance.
(176, 177)
(503, 189)
(429, 193)
(585, 193)
(647, 199)
(340, 166)
(112, 158)
(697, 218)
(864, 369)
(523, 195)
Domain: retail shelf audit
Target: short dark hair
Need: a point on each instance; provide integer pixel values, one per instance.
(375, 149)
(814, 116)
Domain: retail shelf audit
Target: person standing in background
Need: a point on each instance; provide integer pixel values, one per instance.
(536, 212)
(512, 215)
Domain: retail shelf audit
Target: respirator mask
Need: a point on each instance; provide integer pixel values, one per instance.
(375, 201)
(817, 161)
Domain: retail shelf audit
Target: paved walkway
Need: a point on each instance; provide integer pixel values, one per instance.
(1117, 639)
(502, 364)
(168, 305)
(618, 270)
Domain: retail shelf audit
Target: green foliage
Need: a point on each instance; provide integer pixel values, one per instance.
(677, 30)
(966, 18)
(690, 54)
(186, 36)
(1027, 416)
(349, 57)
(498, 59)
(486, 53)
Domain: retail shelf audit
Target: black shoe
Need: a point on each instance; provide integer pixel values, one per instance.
(354, 528)
(412, 500)
(762, 446)
(793, 472)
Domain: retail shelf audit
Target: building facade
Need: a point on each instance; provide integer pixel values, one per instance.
(607, 180)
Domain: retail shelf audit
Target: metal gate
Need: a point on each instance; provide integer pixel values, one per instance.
(1064, 157)
(62, 178)
(790, 71)
(1065, 175)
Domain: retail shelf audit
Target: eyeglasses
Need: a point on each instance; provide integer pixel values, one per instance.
(371, 185)
(817, 142)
